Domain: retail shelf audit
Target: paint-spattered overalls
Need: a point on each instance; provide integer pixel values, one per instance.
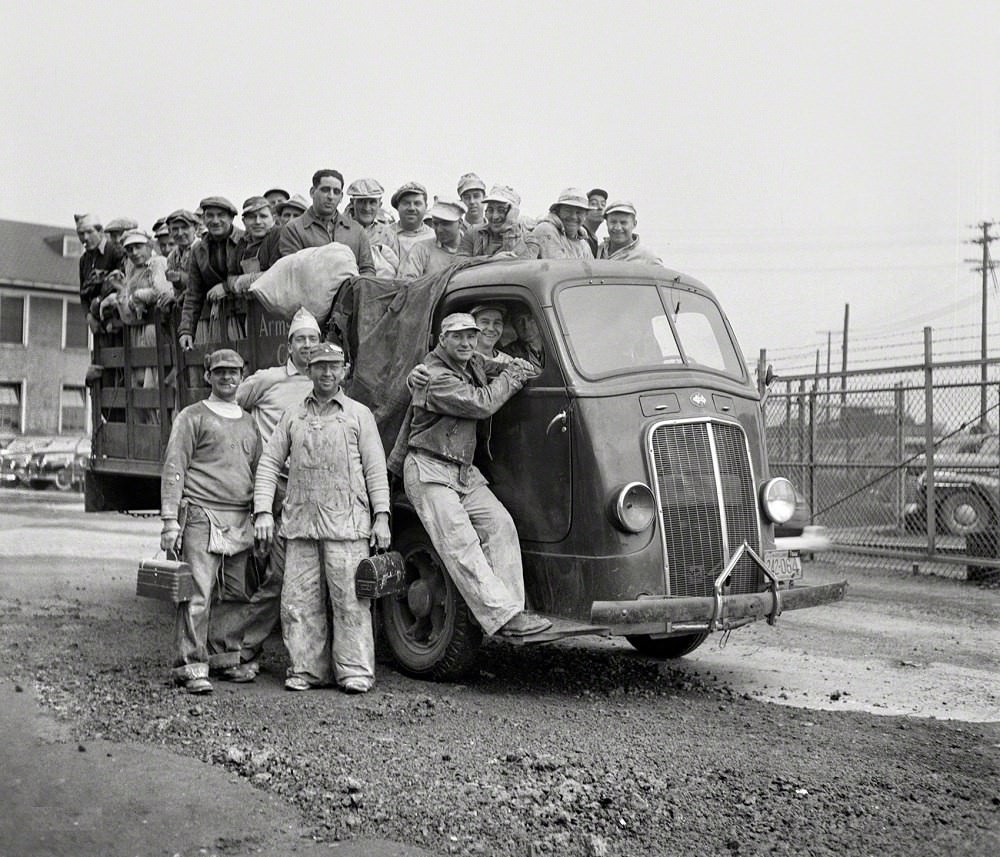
(337, 483)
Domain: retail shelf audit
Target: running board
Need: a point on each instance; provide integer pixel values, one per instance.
(560, 629)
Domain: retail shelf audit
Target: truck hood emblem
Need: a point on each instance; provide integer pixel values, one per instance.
(698, 400)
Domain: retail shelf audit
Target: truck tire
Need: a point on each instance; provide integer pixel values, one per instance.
(666, 647)
(64, 479)
(963, 512)
(430, 631)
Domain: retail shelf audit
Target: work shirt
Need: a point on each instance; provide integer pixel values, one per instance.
(550, 238)
(337, 479)
(209, 461)
(307, 230)
(426, 257)
(179, 259)
(210, 262)
(480, 241)
(402, 240)
(95, 265)
(631, 252)
(144, 285)
(268, 393)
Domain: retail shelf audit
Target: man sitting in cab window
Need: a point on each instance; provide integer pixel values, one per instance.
(528, 345)
(470, 529)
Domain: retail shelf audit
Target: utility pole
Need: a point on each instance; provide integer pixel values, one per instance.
(985, 266)
(843, 360)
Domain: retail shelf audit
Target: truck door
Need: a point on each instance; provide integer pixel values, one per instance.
(531, 469)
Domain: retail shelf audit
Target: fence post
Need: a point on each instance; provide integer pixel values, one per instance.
(900, 455)
(788, 419)
(812, 453)
(929, 443)
(802, 450)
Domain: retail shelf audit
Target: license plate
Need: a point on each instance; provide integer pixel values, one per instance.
(783, 564)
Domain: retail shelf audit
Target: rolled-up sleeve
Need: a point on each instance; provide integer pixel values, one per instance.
(272, 460)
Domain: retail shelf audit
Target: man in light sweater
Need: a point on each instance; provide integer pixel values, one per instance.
(205, 494)
(266, 395)
(336, 506)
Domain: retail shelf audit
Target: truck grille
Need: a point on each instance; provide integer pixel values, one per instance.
(707, 505)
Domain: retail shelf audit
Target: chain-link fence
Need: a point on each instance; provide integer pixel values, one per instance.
(873, 451)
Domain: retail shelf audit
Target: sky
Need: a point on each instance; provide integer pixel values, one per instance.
(793, 156)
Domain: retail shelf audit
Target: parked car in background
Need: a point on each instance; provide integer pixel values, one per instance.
(60, 463)
(966, 489)
(14, 459)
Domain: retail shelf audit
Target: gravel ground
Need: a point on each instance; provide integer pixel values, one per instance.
(567, 749)
(551, 750)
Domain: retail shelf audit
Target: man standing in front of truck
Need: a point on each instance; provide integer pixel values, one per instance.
(471, 530)
(336, 507)
(266, 395)
(205, 494)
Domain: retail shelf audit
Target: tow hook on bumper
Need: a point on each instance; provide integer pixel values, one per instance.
(715, 612)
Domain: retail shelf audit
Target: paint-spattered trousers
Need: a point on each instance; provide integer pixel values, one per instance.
(315, 568)
(198, 642)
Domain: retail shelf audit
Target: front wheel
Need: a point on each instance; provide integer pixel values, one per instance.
(666, 647)
(963, 513)
(430, 630)
(64, 479)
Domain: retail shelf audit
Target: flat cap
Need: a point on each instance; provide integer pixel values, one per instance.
(470, 181)
(254, 203)
(280, 190)
(218, 202)
(224, 357)
(571, 196)
(409, 187)
(458, 321)
(296, 202)
(160, 227)
(500, 308)
(184, 216)
(446, 208)
(326, 352)
(623, 206)
(136, 236)
(121, 224)
(505, 194)
(598, 191)
(365, 189)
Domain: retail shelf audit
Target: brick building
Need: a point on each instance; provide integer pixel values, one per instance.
(44, 339)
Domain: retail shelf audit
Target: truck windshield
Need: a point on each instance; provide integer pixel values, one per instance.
(615, 329)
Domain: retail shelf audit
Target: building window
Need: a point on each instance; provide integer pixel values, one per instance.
(71, 247)
(73, 410)
(76, 334)
(10, 406)
(12, 319)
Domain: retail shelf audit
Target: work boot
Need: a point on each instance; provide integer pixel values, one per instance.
(241, 673)
(355, 684)
(198, 685)
(296, 682)
(524, 624)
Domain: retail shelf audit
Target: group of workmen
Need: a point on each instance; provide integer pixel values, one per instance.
(276, 485)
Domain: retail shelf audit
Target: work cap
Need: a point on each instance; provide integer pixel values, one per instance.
(184, 216)
(458, 321)
(470, 181)
(254, 203)
(326, 352)
(218, 202)
(505, 194)
(446, 208)
(483, 307)
(621, 206)
(121, 224)
(303, 320)
(365, 189)
(85, 220)
(571, 196)
(597, 191)
(280, 190)
(224, 357)
(160, 227)
(297, 202)
(136, 237)
(409, 187)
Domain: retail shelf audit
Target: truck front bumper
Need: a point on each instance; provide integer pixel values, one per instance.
(718, 612)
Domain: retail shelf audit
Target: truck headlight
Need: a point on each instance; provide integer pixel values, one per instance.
(777, 498)
(633, 508)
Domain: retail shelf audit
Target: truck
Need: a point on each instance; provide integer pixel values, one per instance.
(634, 464)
